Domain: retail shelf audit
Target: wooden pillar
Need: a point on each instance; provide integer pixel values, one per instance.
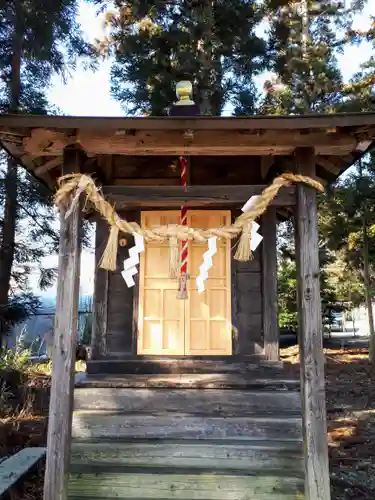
(269, 285)
(65, 336)
(99, 326)
(317, 484)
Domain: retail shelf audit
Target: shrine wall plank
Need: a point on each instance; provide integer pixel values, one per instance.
(247, 306)
(122, 305)
(120, 301)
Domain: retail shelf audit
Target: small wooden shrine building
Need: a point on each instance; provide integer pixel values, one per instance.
(241, 437)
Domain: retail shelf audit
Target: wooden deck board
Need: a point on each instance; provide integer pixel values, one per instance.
(193, 455)
(188, 402)
(260, 380)
(253, 365)
(182, 487)
(90, 425)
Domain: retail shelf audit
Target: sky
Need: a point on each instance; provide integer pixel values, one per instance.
(87, 93)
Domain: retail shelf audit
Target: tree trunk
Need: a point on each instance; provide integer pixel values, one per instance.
(7, 248)
(206, 57)
(305, 34)
(304, 28)
(366, 279)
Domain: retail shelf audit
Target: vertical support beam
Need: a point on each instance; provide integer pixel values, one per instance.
(136, 218)
(317, 484)
(100, 303)
(269, 285)
(65, 335)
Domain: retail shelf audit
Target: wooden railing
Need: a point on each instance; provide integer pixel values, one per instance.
(14, 468)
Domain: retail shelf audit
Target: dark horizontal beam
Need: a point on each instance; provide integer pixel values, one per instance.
(191, 196)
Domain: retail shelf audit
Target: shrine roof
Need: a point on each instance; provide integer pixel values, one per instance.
(37, 141)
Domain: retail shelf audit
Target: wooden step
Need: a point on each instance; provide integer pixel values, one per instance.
(162, 486)
(190, 456)
(103, 425)
(188, 402)
(148, 366)
(257, 380)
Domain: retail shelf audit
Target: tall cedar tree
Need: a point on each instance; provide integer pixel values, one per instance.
(304, 39)
(156, 43)
(303, 42)
(37, 38)
(360, 92)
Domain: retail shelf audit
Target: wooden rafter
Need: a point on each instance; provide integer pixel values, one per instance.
(48, 165)
(327, 164)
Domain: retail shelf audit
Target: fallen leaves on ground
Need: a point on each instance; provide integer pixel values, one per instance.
(23, 423)
(350, 420)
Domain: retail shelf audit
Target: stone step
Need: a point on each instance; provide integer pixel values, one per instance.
(92, 425)
(188, 457)
(258, 380)
(187, 402)
(148, 366)
(163, 486)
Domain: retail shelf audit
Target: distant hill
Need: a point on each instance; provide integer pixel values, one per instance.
(49, 304)
(37, 331)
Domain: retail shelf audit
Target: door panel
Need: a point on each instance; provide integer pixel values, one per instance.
(208, 315)
(161, 314)
(200, 325)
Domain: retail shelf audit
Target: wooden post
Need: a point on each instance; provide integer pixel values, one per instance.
(99, 325)
(317, 484)
(65, 335)
(269, 285)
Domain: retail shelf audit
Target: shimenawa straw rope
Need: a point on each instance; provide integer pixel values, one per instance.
(69, 184)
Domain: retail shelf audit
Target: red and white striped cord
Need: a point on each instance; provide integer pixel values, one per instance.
(183, 218)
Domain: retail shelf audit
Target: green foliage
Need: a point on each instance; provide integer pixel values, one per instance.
(287, 296)
(346, 280)
(360, 90)
(343, 217)
(17, 359)
(287, 280)
(45, 36)
(304, 39)
(87, 330)
(37, 39)
(156, 43)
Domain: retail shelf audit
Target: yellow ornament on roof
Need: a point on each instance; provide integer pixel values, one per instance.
(184, 92)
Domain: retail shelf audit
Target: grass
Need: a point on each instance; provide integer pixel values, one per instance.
(17, 360)
(20, 379)
(46, 368)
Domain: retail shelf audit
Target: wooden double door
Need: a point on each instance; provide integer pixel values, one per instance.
(199, 325)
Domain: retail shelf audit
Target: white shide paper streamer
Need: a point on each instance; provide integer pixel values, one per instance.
(256, 238)
(207, 264)
(130, 264)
